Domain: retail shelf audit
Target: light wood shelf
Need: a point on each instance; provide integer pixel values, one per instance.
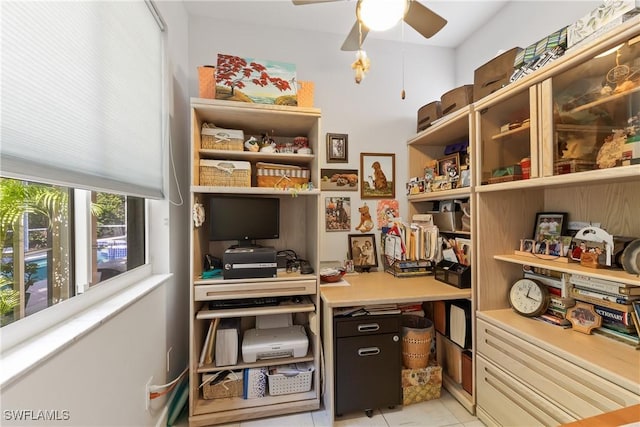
(510, 132)
(456, 193)
(603, 100)
(260, 363)
(255, 311)
(288, 158)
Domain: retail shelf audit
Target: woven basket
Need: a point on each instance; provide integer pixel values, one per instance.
(280, 176)
(417, 334)
(222, 173)
(221, 139)
(230, 387)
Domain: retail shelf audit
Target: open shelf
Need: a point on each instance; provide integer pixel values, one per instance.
(256, 311)
(510, 132)
(257, 364)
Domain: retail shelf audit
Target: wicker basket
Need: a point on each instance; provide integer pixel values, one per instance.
(221, 139)
(230, 387)
(280, 176)
(223, 173)
(417, 334)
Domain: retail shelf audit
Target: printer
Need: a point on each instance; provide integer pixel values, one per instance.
(271, 343)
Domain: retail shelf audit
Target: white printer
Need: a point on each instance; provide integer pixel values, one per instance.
(274, 337)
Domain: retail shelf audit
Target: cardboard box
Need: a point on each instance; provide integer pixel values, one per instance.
(600, 20)
(495, 74)
(428, 113)
(419, 385)
(449, 356)
(456, 98)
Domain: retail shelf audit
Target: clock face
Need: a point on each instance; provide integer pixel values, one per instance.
(528, 297)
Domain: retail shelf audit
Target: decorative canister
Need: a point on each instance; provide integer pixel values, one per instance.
(525, 166)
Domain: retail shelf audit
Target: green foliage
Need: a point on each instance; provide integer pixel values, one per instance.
(9, 298)
(110, 209)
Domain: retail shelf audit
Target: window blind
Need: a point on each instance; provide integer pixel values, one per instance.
(82, 95)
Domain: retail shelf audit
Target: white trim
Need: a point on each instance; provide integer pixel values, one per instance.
(79, 316)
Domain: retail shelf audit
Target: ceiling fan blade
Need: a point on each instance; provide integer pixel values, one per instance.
(303, 2)
(352, 42)
(423, 20)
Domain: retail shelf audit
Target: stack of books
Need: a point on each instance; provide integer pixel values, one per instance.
(560, 300)
(617, 303)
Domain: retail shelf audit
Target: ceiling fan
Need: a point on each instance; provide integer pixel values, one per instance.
(419, 17)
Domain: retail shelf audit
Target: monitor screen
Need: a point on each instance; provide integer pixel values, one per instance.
(244, 219)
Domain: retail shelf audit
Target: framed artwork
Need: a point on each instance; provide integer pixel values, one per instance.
(337, 148)
(377, 176)
(449, 167)
(583, 317)
(362, 251)
(550, 225)
(337, 213)
(339, 179)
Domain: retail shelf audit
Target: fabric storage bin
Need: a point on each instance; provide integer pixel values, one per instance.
(229, 387)
(421, 384)
(456, 98)
(221, 139)
(494, 74)
(280, 176)
(429, 113)
(225, 173)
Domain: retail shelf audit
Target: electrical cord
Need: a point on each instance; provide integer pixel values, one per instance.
(154, 392)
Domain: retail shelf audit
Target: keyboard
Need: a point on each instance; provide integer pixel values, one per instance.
(243, 303)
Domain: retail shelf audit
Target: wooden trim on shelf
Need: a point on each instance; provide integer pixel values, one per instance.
(255, 311)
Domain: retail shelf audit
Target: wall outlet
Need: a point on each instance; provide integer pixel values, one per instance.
(147, 394)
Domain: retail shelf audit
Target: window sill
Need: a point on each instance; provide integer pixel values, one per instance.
(29, 354)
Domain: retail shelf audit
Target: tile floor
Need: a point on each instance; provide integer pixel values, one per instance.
(445, 411)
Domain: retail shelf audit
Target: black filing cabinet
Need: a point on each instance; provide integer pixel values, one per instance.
(368, 363)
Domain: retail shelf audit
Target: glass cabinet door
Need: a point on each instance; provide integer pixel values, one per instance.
(508, 138)
(595, 121)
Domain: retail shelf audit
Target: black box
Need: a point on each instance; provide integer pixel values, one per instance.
(454, 274)
(249, 263)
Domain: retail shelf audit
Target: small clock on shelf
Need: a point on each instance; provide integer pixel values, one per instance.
(529, 297)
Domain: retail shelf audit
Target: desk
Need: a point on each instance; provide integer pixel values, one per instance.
(376, 288)
(628, 415)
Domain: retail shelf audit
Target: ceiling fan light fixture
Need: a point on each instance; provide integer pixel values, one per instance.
(380, 15)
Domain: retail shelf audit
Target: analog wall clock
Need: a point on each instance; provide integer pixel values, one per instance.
(529, 297)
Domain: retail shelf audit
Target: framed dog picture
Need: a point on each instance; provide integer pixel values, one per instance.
(377, 176)
(337, 213)
(362, 251)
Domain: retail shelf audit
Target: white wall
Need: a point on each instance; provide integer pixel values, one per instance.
(372, 114)
(100, 378)
(519, 23)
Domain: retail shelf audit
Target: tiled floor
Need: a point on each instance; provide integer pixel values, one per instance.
(445, 411)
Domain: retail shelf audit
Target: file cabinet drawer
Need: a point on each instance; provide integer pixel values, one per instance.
(577, 391)
(511, 403)
(234, 290)
(367, 325)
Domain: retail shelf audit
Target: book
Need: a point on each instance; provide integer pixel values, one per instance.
(604, 286)
(554, 320)
(615, 317)
(254, 383)
(206, 345)
(557, 285)
(626, 338)
(227, 342)
(593, 297)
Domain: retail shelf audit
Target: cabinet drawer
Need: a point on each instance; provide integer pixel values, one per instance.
(367, 325)
(576, 390)
(511, 403)
(254, 289)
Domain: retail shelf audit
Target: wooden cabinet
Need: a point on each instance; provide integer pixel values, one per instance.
(425, 147)
(297, 293)
(529, 372)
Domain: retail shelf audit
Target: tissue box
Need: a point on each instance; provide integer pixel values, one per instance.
(421, 384)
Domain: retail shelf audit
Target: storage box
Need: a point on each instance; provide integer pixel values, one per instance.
(467, 372)
(224, 173)
(494, 74)
(454, 274)
(229, 387)
(214, 138)
(428, 113)
(296, 382)
(456, 98)
(421, 384)
(601, 19)
(280, 176)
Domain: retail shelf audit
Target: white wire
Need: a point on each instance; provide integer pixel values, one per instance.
(173, 167)
(158, 387)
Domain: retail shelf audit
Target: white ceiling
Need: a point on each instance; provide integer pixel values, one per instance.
(337, 17)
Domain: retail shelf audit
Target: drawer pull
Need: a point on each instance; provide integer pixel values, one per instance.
(368, 351)
(368, 327)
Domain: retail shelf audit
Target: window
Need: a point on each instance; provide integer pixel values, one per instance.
(37, 269)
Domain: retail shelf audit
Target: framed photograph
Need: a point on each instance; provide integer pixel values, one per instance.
(549, 225)
(339, 179)
(337, 148)
(449, 167)
(583, 317)
(337, 213)
(377, 176)
(527, 245)
(362, 250)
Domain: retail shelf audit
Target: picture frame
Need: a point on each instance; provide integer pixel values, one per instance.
(583, 317)
(363, 251)
(339, 179)
(337, 148)
(337, 213)
(449, 167)
(377, 175)
(549, 225)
